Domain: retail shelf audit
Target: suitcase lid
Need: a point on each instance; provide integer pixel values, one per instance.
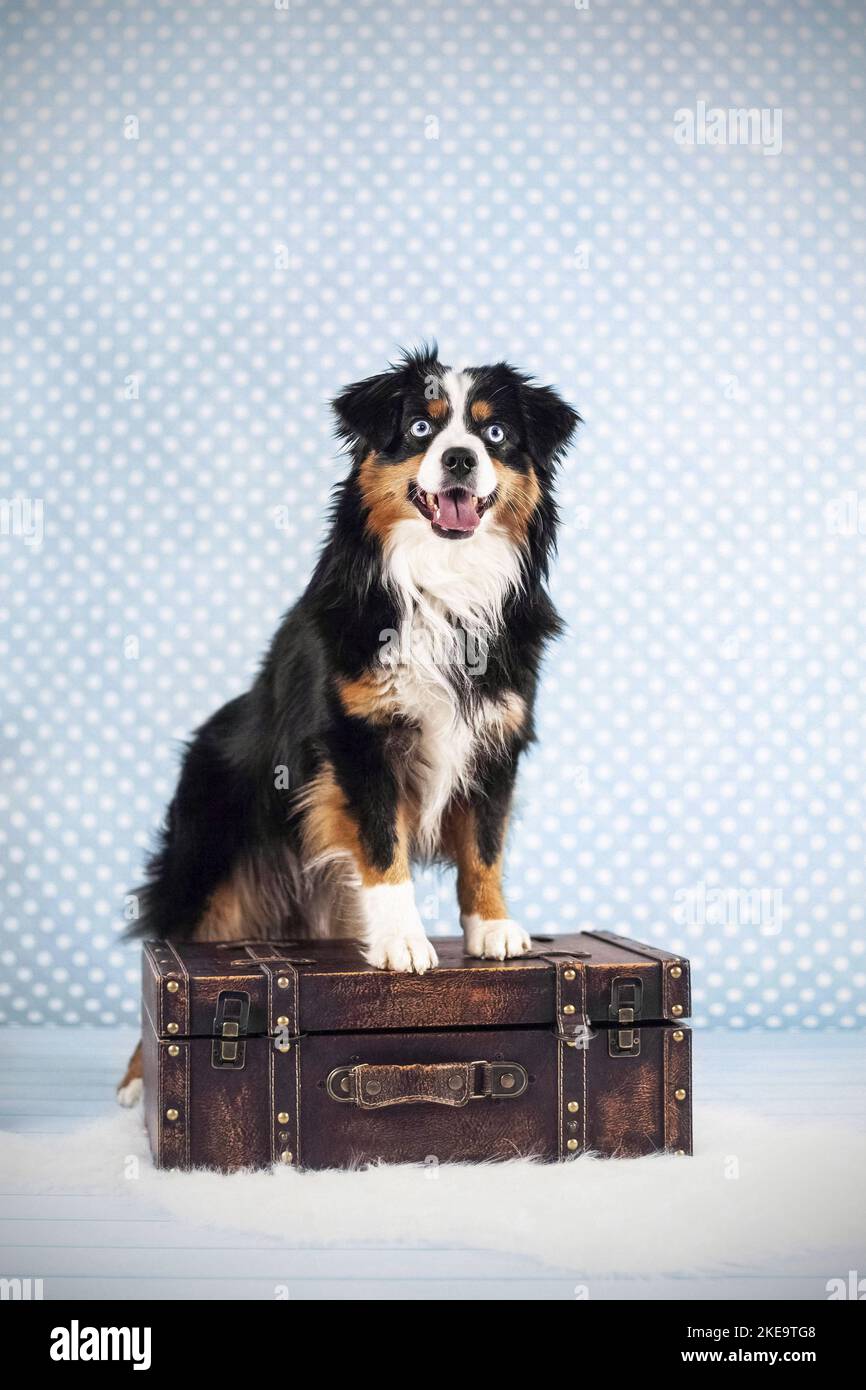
(207, 989)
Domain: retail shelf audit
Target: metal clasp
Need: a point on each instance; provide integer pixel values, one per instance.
(626, 998)
(499, 1081)
(230, 1028)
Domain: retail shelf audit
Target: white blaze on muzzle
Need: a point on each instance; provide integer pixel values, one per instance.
(433, 476)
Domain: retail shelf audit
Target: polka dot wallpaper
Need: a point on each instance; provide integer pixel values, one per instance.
(216, 212)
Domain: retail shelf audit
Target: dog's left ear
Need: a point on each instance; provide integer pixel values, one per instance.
(368, 412)
(549, 423)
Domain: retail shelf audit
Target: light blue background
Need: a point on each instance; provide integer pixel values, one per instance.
(307, 191)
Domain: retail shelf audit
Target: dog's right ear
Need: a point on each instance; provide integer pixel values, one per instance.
(369, 412)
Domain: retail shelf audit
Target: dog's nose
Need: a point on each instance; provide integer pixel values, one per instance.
(459, 462)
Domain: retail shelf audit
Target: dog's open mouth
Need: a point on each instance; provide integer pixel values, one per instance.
(454, 514)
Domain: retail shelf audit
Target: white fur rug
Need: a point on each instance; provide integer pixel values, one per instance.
(756, 1192)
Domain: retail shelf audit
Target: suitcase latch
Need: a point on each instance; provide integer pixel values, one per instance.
(626, 997)
(230, 1029)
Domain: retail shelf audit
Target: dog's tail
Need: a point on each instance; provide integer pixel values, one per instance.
(178, 884)
(201, 840)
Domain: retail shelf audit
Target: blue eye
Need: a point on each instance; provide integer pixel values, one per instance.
(495, 433)
(421, 428)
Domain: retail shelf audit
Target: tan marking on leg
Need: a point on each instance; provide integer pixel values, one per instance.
(255, 901)
(224, 918)
(480, 410)
(384, 492)
(129, 1090)
(134, 1068)
(368, 697)
(330, 828)
(479, 885)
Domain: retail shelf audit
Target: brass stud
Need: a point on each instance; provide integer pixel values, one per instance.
(283, 1118)
(571, 1144)
(172, 986)
(286, 1156)
(573, 1106)
(568, 1009)
(570, 1042)
(676, 972)
(455, 1082)
(374, 1087)
(172, 1027)
(282, 1021)
(174, 1050)
(568, 974)
(171, 1113)
(680, 1153)
(283, 1047)
(677, 1010)
(506, 1080)
(680, 1094)
(283, 981)
(344, 1084)
(678, 1035)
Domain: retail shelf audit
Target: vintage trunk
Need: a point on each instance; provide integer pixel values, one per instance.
(299, 1052)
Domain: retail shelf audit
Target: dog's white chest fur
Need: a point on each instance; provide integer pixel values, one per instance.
(451, 595)
(443, 756)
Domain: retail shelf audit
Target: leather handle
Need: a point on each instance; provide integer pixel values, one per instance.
(373, 1086)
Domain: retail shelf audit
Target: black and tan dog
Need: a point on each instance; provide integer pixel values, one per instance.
(387, 720)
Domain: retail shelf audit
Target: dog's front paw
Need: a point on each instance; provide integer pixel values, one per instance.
(394, 938)
(402, 951)
(496, 940)
(129, 1093)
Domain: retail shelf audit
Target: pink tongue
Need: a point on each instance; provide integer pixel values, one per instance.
(457, 511)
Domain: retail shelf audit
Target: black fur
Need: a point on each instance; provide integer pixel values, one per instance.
(233, 805)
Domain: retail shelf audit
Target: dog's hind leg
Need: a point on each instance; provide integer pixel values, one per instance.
(129, 1090)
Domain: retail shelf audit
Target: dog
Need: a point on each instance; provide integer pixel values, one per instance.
(388, 717)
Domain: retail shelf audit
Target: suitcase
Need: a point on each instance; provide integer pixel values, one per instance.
(299, 1052)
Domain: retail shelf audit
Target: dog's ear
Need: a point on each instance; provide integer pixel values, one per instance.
(369, 412)
(549, 423)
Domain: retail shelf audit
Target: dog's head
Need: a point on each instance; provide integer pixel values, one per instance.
(454, 451)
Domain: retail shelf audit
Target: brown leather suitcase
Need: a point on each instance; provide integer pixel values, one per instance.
(299, 1052)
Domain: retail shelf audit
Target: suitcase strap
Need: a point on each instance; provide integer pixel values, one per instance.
(284, 1074)
(572, 1035)
(373, 1087)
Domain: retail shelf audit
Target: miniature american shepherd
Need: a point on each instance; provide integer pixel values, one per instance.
(388, 717)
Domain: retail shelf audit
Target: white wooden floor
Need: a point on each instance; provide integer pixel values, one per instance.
(84, 1247)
